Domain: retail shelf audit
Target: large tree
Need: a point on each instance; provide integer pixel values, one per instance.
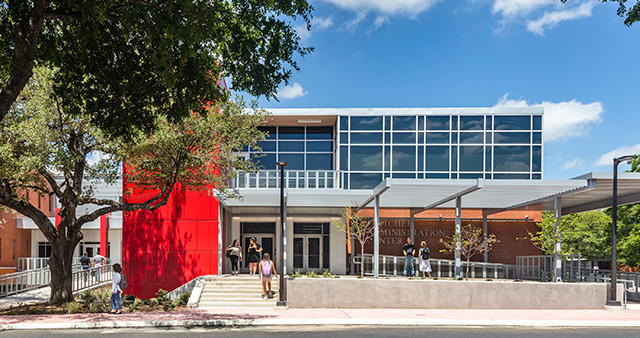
(124, 62)
(44, 148)
(629, 11)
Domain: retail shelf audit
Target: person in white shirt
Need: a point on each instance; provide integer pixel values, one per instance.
(98, 260)
(115, 289)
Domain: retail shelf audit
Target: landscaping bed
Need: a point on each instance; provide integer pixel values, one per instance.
(99, 301)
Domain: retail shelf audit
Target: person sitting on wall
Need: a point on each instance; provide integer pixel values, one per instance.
(408, 250)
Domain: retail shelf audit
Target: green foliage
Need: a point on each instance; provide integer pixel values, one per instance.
(327, 273)
(153, 302)
(184, 297)
(73, 307)
(312, 274)
(88, 296)
(630, 12)
(105, 300)
(297, 274)
(128, 62)
(33, 311)
(162, 295)
(135, 305)
(471, 242)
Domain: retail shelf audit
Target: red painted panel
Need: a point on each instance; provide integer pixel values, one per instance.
(207, 236)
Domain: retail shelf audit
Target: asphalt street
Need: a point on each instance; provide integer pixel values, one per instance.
(338, 332)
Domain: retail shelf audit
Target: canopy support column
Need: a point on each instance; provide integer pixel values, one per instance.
(458, 243)
(220, 229)
(412, 228)
(557, 273)
(484, 236)
(376, 238)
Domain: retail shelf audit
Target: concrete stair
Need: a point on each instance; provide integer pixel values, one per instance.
(236, 291)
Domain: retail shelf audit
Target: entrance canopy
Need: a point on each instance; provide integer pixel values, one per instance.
(583, 193)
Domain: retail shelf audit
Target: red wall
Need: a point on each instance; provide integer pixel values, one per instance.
(172, 245)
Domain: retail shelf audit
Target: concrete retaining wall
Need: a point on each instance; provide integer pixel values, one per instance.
(442, 294)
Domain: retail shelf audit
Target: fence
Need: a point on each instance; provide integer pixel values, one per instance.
(394, 266)
(294, 179)
(22, 281)
(34, 263)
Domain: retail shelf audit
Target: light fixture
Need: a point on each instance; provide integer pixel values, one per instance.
(309, 121)
(526, 216)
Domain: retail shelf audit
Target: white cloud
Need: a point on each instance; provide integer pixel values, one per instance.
(555, 12)
(317, 24)
(353, 23)
(411, 7)
(607, 159)
(576, 163)
(562, 120)
(379, 22)
(552, 19)
(291, 92)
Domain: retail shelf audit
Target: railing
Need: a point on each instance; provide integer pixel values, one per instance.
(23, 281)
(34, 263)
(394, 266)
(540, 267)
(294, 179)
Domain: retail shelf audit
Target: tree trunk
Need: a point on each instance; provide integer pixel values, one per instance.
(362, 260)
(468, 258)
(60, 264)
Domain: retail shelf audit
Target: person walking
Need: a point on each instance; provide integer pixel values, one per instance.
(425, 265)
(115, 290)
(85, 261)
(408, 250)
(254, 255)
(267, 269)
(98, 261)
(235, 255)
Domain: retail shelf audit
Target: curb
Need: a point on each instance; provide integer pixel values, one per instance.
(315, 322)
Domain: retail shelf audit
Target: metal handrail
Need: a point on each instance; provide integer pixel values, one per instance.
(394, 266)
(34, 263)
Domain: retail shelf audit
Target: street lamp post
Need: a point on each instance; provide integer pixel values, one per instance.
(613, 301)
(282, 301)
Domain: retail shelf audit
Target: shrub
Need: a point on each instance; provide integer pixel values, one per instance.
(153, 302)
(105, 299)
(162, 295)
(296, 274)
(88, 296)
(133, 307)
(327, 273)
(312, 274)
(72, 307)
(184, 297)
(94, 307)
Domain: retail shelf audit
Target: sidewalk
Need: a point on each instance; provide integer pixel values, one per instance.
(221, 317)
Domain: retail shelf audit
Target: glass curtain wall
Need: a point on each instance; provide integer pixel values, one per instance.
(372, 148)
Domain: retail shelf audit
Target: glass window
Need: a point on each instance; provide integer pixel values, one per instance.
(291, 133)
(438, 122)
(437, 175)
(268, 145)
(344, 138)
(366, 158)
(506, 137)
(320, 146)
(489, 122)
(365, 181)
(512, 122)
(537, 138)
(344, 123)
(437, 138)
(471, 158)
(487, 161)
(470, 176)
(454, 158)
(404, 175)
(294, 161)
(420, 158)
(319, 161)
(366, 122)
(387, 138)
(360, 138)
(511, 176)
(471, 138)
(387, 158)
(536, 176)
(404, 158)
(454, 122)
(387, 123)
(511, 158)
(488, 138)
(404, 138)
(404, 123)
(420, 122)
(454, 138)
(471, 122)
(344, 158)
(536, 164)
(266, 161)
(437, 158)
(271, 132)
(319, 133)
(291, 146)
(537, 122)
(420, 138)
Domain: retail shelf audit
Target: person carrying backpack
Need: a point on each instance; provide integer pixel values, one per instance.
(266, 270)
(118, 284)
(425, 265)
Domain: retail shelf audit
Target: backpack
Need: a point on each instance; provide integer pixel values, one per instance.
(123, 282)
(266, 268)
(425, 253)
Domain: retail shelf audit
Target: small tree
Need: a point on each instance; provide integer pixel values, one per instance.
(362, 228)
(471, 242)
(552, 231)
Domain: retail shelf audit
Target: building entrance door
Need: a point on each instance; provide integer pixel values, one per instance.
(264, 233)
(307, 252)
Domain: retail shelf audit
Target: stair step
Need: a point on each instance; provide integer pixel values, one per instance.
(263, 304)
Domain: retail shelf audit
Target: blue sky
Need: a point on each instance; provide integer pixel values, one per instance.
(575, 59)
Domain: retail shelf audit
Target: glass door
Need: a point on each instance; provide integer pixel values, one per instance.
(266, 241)
(307, 253)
